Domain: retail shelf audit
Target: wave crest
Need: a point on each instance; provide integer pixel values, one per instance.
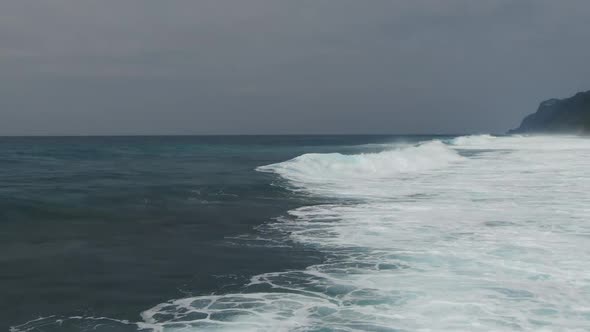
(317, 168)
(472, 140)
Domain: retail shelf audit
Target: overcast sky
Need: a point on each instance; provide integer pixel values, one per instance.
(297, 66)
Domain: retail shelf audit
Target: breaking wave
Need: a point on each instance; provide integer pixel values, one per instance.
(495, 240)
(329, 173)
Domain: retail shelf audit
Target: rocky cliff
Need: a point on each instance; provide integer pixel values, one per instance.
(570, 115)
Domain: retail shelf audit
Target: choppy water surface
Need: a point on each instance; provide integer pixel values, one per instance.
(473, 233)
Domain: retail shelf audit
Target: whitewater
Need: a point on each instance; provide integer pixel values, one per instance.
(475, 233)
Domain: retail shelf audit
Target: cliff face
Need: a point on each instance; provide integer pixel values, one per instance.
(570, 115)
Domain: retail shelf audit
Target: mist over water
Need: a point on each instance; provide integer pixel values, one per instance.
(473, 233)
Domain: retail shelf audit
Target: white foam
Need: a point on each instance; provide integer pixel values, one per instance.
(520, 143)
(335, 174)
(498, 240)
(471, 140)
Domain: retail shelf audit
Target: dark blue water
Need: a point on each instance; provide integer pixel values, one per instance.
(110, 226)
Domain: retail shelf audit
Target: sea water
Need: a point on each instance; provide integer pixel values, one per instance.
(469, 233)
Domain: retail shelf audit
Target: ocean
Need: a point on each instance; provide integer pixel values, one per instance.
(295, 233)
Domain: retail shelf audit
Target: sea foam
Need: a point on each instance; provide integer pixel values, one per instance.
(336, 174)
(494, 240)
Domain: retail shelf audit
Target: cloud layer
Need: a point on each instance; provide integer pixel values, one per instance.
(264, 67)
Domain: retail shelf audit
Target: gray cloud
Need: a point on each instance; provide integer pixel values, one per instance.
(257, 66)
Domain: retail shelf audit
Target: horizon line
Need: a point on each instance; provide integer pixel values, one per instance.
(237, 135)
